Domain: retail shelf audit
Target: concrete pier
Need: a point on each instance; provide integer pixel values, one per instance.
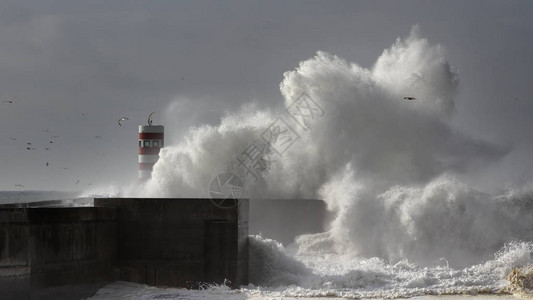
(180, 242)
(45, 251)
(45, 247)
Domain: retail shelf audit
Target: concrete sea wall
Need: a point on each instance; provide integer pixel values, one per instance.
(68, 253)
(180, 242)
(43, 247)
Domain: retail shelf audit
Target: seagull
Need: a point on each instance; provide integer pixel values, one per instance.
(20, 185)
(10, 100)
(409, 98)
(122, 119)
(12, 138)
(150, 118)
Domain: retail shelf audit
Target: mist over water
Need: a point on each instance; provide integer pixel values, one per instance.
(390, 169)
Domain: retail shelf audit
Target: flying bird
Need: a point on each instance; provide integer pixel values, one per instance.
(122, 119)
(20, 185)
(150, 118)
(409, 98)
(10, 100)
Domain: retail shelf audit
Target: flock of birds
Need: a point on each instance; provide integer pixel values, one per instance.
(31, 147)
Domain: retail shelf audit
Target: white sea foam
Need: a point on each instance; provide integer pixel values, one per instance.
(345, 276)
(330, 275)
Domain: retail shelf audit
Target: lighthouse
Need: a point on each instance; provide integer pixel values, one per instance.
(151, 140)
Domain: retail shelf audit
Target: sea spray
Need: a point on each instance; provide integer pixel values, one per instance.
(442, 219)
(385, 166)
(185, 170)
(271, 266)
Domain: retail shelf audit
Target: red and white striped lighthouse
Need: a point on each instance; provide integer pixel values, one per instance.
(151, 140)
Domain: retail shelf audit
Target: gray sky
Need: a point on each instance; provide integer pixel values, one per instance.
(76, 67)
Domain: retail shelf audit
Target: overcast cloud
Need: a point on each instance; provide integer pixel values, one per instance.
(77, 67)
